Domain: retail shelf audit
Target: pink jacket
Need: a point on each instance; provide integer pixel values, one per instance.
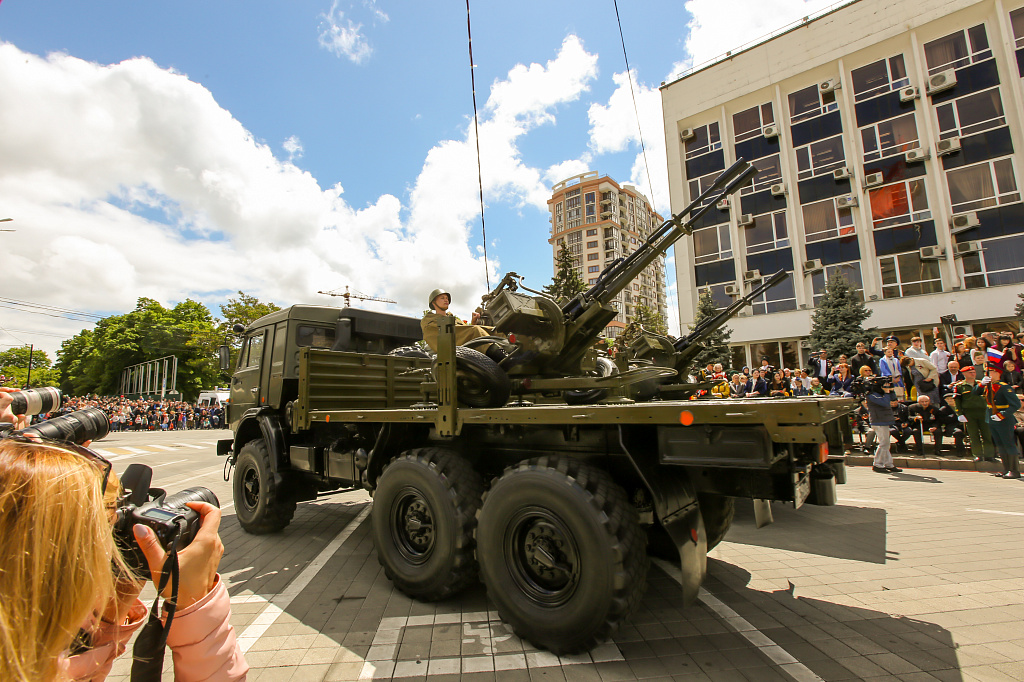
(202, 642)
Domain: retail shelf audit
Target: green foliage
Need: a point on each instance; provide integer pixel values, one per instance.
(716, 345)
(567, 282)
(1019, 308)
(650, 319)
(243, 310)
(837, 323)
(14, 366)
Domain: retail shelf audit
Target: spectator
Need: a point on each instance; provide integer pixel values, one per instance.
(916, 350)
(861, 359)
(926, 417)
(778, 388)
(880, 413)
(758, 385)
(949, 426)
(891, 343)
(949, 377)
(961, 354)
(865, 371)
(903, 426)
(841, 381)
(889, 366)
(978, 361)
(924, 376)
(820, 366)
(1012, 376)
(940, 357)
(816, 387)
(738, 386)
(1010, 351)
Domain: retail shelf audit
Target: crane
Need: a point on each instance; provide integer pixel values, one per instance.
(356, 295)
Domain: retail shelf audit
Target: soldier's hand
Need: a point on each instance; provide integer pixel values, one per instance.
(986, 381)
(962, 419)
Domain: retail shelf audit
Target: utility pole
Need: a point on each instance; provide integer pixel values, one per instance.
(28, 379)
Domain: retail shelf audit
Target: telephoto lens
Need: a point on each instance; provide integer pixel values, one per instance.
(77, 427)
(35, 400)
(197, 494)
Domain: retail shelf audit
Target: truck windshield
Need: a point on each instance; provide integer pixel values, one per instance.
(315, 337)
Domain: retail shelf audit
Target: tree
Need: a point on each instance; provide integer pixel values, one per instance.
(567, 281)
(1019, 309)
(14, 366)
(716, 344)
(243, 310)
(837, 323)
(650, 319)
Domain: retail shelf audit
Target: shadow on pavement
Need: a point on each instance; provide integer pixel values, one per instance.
(842, 532)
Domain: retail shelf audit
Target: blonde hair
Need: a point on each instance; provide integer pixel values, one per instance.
(56, 546)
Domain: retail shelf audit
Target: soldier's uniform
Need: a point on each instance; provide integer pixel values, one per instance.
(1002, 403)
(970, 403)
(463, 332)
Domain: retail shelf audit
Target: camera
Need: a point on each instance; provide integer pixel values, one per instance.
(35, 400)
(77, 427)
(166, 515)
(861, 386)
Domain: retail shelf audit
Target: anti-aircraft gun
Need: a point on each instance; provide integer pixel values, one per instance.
(661, 351)
(549, 346)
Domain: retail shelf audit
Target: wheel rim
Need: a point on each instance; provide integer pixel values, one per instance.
(469, 388)
(542, 556)
(412, 526)
(250, 488)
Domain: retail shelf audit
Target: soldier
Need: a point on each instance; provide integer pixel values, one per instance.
(439, 302)
(971, 410)
(1002, 403)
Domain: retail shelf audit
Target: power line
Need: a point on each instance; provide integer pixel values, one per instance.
(43, 309)
(629, 75)
(476, 130)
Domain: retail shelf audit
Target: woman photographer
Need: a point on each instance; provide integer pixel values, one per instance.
(68, 602)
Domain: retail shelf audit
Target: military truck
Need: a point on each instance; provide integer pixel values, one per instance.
(549, 504)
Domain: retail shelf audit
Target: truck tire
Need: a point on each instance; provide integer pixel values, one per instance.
(481, 383)
(424, 514)
(561, 553)
(605, 368)
(718, 512)
(260, 506)
(409, 352)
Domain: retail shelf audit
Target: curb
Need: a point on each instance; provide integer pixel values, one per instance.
(916, 462)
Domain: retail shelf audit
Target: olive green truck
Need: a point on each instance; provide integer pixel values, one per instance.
(551, 505)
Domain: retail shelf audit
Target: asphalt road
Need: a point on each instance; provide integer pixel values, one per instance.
(913, 576)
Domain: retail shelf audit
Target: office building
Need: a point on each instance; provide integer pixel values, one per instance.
(887, 138)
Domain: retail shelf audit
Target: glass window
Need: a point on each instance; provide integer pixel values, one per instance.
(254, 351)
(1001, 262)
(705, 139)
(769, 172)
(820, 157)
(957, 50)
(591, 233)
(823, 220)
(895, 136)
(878, 78)
(592, 245)
(1017, 24)
(992, 183)
(593, 268)
(722, 299)
(810, 102)
(711, 244)
(903, 202)
(970, 114)
(908, 275)
(314, 337)
(698, 185)
(749, 123)
(780, 297)
(593, 256)
(851, 271)
(767, 233)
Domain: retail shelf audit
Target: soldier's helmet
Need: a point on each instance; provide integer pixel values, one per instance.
(434, 294)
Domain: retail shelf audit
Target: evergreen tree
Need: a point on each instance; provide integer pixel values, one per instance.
(567, 282)
(1019, 309)
(716, 345)
(651, 320)
(836, 324)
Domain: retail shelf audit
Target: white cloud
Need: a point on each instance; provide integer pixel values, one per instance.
(129, 180)
(716, 26)
(293, 145)
(342, 36)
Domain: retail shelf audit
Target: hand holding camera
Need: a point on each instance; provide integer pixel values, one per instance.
(197, 563)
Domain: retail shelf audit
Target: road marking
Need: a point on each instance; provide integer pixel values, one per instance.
(283, 599)
(189, 445)
(208, 472)
(785, 660)
(162, 447)
(163, 464)
(997, 511)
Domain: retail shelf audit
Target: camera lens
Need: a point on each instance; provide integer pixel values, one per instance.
(77, 427)
(178, 500)
(35, 400)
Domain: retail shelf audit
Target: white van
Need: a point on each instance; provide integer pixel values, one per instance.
(213, 398)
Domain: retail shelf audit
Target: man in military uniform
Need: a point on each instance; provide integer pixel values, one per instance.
(1002, 403)
(439, 302)
(972, 412)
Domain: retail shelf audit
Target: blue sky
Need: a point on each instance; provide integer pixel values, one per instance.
(193, 149)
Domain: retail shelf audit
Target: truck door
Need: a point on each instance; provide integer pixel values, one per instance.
(245, 384)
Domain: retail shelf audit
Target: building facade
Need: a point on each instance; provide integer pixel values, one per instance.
(598, 221)
(887, 138)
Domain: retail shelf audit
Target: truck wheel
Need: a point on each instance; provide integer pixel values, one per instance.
(260, 506)
(561, 553)
(605, 368)
(409, 352)
(718, 512)
(481, 383)
(424, 513)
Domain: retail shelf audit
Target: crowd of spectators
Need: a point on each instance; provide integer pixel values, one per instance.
(148, 414)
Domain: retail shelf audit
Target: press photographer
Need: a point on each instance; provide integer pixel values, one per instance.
(68, 596)
(877, 392)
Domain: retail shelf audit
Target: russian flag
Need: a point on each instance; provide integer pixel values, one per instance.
(994, 355)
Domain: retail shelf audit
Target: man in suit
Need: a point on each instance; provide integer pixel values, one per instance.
(949, 377)
(820, 366)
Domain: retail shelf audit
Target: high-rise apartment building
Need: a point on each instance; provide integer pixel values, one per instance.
(599, 220)
(888, 139)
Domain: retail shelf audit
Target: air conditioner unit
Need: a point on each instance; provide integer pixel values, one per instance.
(917, 155)
(964, 222)
(964, 248)
(941, 81)
(749, 275)
(932, 252)
(830, 85)
(813, 265)
(949, 146)
(873, 180)
(909, 94)
(685, 134)
(805, 344)
(841, 173)
(779, 189)
(965, 329)
(770, 131)
(746, 219)
(732, 290)
(723, 205)
(847, 201)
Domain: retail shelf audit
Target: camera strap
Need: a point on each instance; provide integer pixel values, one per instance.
(148, 652)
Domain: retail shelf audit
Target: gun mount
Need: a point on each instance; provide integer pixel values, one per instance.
(548, 339)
